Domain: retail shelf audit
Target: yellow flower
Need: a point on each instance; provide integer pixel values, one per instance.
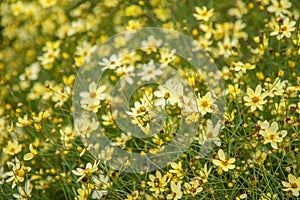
(176, 191)
(192, 188)
(157, 183)
(30, 155)
(177, 169)
(89, 169)
(205, 103)
(272, 135)
(280, 7)
(223, 162)
(203, 13)
(293, 185)
(133, 11)
(12, 148)
(255, 99)
(285, 29)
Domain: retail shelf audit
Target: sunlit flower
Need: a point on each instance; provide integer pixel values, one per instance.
(222, 162)
(166, 57)
(255, 99)
(85, 126)
(101, 186)
(285, 29)
(31, 154)
(176, 191)
(112, 63)
(272, 135)
(157, 183)
(83, 192)
(12, 148)
(192, 188)
(149, 72)
(280, 7)
(293, 185)
(87, 171)
(203, 13)
(24, 193)
(18, 173)
(94, 95)
(205, 103)
(151, 44)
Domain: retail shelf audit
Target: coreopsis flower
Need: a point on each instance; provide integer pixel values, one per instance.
(94, 95)
(293, 185)
(139, 109)
(31, 72)
(177, 169)
(272, 135)
(203, 175)
(176, 191)
(193, 188)
(133, 196)
(101, 186)
(164, 96)
(12, 148)
(17, 175)
(106, 154)
(203, 13)
(109, 118)
(255, 99)
(209, 133)
(277, 88)
(151, 44)
(166, 57)
(83, 192)
(31, 154)
(224, 163)
(83, 52)
(121, 141)
(157, 183)
(260, 157)
(85, 126)
(133, 25)
(285, 29)
(240, 66)
(149, 71)
(24, 193)
(280, 7)
(22, 122)
(111, 63)
(205, 103)
(87, 171)
(225, 48)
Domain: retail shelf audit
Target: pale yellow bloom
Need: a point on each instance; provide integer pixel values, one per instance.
(176, 191)
(293, 185)
(255, 99)
(203, 13)
(272, 135)
(31, 154)
(222, 162)
(12, 148)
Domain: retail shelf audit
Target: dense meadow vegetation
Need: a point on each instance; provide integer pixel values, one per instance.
(83, 114)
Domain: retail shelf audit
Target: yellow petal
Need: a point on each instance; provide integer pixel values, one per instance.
(28, 156)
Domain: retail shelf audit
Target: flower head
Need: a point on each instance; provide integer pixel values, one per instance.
(222, 162)
(255, 99)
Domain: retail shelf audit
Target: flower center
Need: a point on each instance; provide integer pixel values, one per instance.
(255, 99)
(204, 103)
(294, 185)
